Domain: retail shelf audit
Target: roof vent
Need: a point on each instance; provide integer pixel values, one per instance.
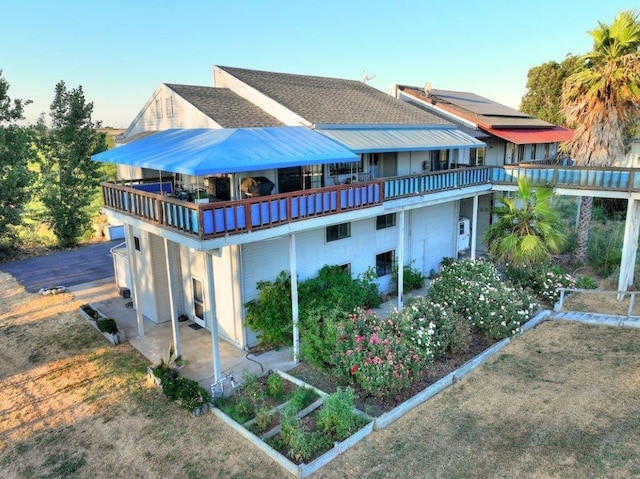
(427, 88)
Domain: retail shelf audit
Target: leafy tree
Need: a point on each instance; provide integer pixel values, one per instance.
(602, 98)
(15, 177)
(527, 230)
(67, 174)
(544, 89)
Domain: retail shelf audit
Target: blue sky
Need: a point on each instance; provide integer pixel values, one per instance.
(120, 51)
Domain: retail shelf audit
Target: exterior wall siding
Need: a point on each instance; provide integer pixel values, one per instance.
(433, 236)
(185, 115)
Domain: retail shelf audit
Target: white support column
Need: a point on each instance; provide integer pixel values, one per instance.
(168, 253)
(212, 317)
(293, 268)
(400, 286)
(133, 267)
(630, 245)
(474, 227)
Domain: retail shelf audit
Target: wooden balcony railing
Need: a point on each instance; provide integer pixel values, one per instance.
(400, 186)
(232, 217)
(574, 177)
(221, 218)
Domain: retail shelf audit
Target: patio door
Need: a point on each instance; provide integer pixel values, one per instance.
(197, 288)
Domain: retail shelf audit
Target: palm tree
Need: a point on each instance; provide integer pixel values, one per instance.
(527, 230)
(602, 97)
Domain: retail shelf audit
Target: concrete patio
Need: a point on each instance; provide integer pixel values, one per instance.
(196, 344)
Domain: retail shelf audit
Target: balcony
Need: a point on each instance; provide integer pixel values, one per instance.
(221, 218)
(617, 180)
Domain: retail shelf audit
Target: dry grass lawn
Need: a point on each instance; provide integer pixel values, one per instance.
(72, 405)
(562, 401)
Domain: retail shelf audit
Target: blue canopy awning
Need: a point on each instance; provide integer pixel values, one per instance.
(202, 152)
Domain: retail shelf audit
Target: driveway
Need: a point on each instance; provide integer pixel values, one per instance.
(67, 268)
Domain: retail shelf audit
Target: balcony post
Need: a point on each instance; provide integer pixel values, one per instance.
(474, 227)
(133, 268)
(400, 286)
(169, 261)
(211, 316)
(630, 246)
(293, 271)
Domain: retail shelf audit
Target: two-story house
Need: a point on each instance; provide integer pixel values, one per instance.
(226, 186)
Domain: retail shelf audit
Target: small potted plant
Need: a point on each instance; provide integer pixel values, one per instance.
(200, 196)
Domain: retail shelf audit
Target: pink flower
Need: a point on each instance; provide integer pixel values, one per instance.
(359, 339)
(349, 352)
(374, 339)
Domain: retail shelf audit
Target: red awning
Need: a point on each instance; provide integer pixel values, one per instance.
(521, 136)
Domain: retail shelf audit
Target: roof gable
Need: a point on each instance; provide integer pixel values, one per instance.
(334, 101)
(225, 107)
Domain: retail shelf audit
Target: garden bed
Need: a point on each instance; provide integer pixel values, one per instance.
(376, 406)
(106, 326)
(299, 426)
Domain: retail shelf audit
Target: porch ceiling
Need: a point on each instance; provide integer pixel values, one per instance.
(201, 152)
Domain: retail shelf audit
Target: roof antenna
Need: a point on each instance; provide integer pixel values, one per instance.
(366, 77)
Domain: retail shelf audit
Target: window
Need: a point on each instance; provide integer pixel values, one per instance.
(198, 298)
(337, 232)
(346, 268)
(136, 243)
(384, 263)
(476, 157)
(346, 168)
(385, 221)
(439, 160)
(170, 107)
(159, 108)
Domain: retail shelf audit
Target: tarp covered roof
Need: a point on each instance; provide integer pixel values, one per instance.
(378, 140)
(201, 152)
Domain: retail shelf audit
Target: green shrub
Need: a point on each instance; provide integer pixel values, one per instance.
(300, 444)
(302, 397)
(378, 354)
(542, 279)
(447, 335)
(270, 313)
(240, 409)
(275, 386)
(335, 288)
(319, 330)
(604, 249)
(107, 325)
(262, 419)
(336, 418)
(411, 278)
(188, 393)
(586, 282)
(474, 290)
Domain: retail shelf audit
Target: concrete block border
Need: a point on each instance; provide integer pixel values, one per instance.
(114, 339)
(304, 470)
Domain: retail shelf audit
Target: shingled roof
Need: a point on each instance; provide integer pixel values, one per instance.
(332, 101)
(480, 110)
(225, 107)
